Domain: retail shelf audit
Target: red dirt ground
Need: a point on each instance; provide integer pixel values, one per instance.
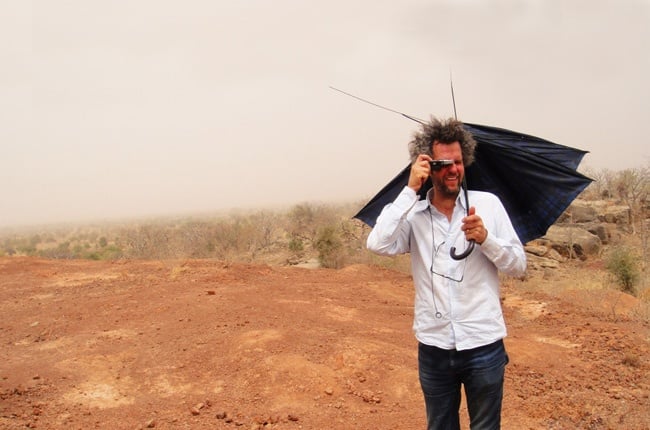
(203, 344)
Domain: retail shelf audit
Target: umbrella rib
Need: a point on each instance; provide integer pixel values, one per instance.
(412, 118)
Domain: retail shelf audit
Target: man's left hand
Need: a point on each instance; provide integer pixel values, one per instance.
(473, 227)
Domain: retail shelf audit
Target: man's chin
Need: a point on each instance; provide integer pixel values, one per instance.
(451, 192)
(451, 189)
(446, 190)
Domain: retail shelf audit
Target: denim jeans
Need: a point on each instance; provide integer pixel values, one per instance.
(481, 372)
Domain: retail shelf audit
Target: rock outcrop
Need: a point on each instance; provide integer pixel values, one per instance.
(580, 232)
(571, 241)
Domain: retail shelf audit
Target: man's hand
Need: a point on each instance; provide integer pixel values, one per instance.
(473, 227)
(420, 171)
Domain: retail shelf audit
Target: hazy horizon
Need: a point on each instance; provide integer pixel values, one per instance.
(114, 110)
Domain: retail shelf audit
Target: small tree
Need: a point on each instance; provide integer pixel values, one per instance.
(302, 222)
(601, 187)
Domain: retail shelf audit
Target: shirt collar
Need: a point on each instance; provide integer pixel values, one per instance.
(460, 200)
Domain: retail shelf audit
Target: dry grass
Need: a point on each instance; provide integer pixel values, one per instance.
(588, 283)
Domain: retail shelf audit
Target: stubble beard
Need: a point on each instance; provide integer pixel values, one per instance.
(447, 191)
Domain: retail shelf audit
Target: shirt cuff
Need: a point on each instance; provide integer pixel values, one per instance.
(490, 246)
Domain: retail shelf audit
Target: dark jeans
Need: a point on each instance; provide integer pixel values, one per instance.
(480, 370)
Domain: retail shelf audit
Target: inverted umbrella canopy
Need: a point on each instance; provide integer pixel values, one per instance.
(535, 179)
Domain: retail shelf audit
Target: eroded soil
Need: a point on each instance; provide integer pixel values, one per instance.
(204, 344)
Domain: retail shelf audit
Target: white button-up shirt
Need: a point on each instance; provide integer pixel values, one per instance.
(457, 303)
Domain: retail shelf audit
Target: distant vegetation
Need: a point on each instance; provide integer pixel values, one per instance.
(307, 232)
(326, 234)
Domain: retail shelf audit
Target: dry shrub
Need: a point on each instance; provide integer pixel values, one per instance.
(624, 265)
(329, 246)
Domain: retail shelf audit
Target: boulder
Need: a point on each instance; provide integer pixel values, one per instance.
(616, 214)
(600, 230)
(581, 211)
(572, 241)
(615, 233)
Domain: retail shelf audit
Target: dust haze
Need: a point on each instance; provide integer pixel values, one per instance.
(127, 109)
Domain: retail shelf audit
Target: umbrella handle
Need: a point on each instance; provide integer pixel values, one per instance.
(464, 254)
(470, 248)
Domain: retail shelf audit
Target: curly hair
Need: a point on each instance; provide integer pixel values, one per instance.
(444, 132)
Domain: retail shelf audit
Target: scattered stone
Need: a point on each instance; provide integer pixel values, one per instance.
(261, 422)
(370, 397)
(329, 391)
(538, 250)
(554, 255)
(150, 424)
(540, 263)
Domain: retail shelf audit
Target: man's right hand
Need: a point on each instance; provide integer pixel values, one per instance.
(420, 171)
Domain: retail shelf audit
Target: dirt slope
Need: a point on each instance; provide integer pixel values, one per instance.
(210, 345)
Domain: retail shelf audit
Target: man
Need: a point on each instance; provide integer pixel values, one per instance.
(458, 318)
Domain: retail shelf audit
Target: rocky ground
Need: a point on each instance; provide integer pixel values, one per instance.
(204, 344)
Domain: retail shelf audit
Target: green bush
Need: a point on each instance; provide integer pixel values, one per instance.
(623, 264)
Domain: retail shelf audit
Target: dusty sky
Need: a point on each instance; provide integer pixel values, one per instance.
(129, 108)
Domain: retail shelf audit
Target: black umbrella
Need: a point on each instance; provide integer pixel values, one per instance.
(535, 179)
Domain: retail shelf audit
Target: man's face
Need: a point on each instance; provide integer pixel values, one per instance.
(447, 180)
